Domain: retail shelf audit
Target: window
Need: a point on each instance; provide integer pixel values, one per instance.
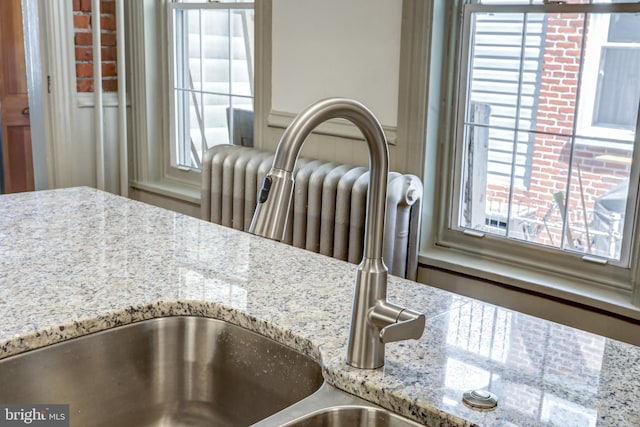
(211, 77)
(545, 135)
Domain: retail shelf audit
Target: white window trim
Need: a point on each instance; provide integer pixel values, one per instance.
(147, 70)
(604, 287)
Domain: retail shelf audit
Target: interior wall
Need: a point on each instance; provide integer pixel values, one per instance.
(334, 49)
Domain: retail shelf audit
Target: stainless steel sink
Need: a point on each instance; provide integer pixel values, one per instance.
(331, 407)
(352, 416)
(176, 371)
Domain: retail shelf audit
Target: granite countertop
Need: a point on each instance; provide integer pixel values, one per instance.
(78, 260)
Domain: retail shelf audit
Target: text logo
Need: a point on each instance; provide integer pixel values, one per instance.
(34, 415)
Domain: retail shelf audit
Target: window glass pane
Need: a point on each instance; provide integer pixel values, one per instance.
(534, 40)
(483, 204)
(495, 66)
(216, 51)
(213, 67)
(625, 27)
(190, 132)
(241, 48)
(187, 49)
(616, 103)
(598, 196)
(539, 209)
(526, 173)
(240, 121)
(215, 119)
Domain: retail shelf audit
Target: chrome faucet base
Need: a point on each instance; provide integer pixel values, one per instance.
(364, 350)
(374, 320)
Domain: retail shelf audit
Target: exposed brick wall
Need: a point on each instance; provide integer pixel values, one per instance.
(556, 111)
(83, 45)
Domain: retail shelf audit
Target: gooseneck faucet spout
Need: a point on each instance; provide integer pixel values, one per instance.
(375, 321)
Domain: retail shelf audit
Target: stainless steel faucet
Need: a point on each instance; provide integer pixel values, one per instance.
(374, 321)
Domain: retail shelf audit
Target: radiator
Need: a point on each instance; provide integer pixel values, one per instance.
(327, 213)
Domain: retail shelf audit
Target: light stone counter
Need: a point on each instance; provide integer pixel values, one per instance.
(77, 261)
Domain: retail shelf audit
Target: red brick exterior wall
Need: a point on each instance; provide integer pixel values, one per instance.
(551, 154)
(83, 45)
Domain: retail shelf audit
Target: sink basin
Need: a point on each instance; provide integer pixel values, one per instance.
(352, 416)
(175, 371)
(331, 407)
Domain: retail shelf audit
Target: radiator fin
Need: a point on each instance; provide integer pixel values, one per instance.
(328, 209)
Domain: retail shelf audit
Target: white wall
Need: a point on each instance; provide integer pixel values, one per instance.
(336, 48)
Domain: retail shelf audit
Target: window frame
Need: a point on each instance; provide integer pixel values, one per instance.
(586, 280)
(153, 179)
(174, 48)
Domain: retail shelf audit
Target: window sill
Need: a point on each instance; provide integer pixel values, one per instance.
(177, 190)
(562, 288)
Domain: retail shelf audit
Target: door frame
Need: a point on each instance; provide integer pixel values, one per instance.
(35, 89)
(51, 82)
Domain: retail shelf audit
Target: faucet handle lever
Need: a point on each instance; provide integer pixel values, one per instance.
(409, 325)
(399, 323)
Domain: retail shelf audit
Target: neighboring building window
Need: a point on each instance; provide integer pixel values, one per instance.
(211, 77)
(615, 94)
(610, 81)
(546, 125)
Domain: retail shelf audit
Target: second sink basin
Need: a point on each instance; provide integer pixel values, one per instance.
(352, 416)
(331, 407)
(175, 371)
